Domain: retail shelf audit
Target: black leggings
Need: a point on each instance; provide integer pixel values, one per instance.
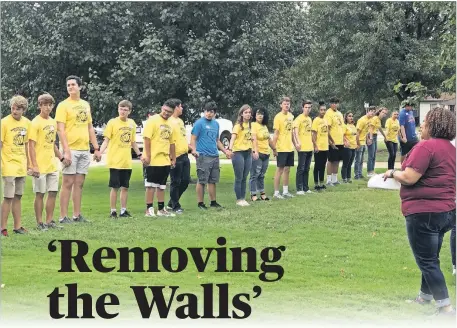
(392, 149)
(320, 159)
(348, 159)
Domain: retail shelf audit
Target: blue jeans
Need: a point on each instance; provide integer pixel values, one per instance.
(241, 161)
(258, 169)
(372, 153)
(358, 165)
(425, 234)
(302, 176)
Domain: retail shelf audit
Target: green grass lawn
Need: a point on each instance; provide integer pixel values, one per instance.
(347, 252)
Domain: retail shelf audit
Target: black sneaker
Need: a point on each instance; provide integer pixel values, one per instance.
(81, 219)
(215, 205)
(113, 215)
(317, 188)
(65, 220)
(53, 225)
(323, 187)
(42, 227)
(349, 181)
(125, 214)
(20, 231)
(202, 206)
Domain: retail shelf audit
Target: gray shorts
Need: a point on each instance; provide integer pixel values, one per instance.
(80, 161)
(208, 169)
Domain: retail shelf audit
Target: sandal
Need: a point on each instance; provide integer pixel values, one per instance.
(263, 196)
(254, 197)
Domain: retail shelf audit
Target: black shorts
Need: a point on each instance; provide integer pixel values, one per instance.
(119, 178)
(285, 159)
(335, 155)
(405, 148)
(156, 176)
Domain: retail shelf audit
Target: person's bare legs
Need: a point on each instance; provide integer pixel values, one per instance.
(38, 207)
(16, 209)
(277, 180)
(200, 190)
(113, 198)
(124, 196)
(285, 177)
(149, 195)
(77, 194)
(50, 205)
(6, 208)
(67, 185)
(160, 195)
(212, 191)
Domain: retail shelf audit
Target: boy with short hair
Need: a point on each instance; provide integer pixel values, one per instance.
(15, 162)
(43, 151)
(119, 139)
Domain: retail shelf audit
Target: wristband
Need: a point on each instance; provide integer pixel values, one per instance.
(392, 173)
(62, 159)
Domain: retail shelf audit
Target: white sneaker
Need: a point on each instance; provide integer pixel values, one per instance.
(453, 270)
(309, 192)
(164, 212)
(300, 192)
(278, 196)
(369, 175)
(287, 195)
(150, 213)
(240, 203)
(246, 203)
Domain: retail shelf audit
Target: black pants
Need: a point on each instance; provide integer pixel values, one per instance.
(348, 159)
(425, 234)
(304, 162)
(180, 178)
(392, 149)
(320, 159)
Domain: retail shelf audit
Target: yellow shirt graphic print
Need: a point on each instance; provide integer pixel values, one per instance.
(162, 135)
(351, 135)
(392, 128)
(321, 128)
(120, 134)
(14, 136)
(243, 139)
(363, 124)
(335, 123)
(43, 132)
(263, 136)
(283, 123)
(181, 138)
(303, 124)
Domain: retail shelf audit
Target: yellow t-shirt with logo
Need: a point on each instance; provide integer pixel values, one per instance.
(15, 136)
(392, 128)
(351, 135)
(43, 132)
(243, 139)
(76, 116)
(363, 124)
(283, 124)
(263, 136)
(182, 147)
(303, 124)
(375, 124)
(161, 134)
(335, 123)
(121, 134)
(321, 127)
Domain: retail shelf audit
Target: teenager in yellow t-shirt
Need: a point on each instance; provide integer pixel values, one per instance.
(320, 142)
(391, 140)
(120, 139)
(15, 162)
(335, 123)
(372, 146)
(350, 145)
(160, 155)
(75, 130)
(244, 149)
(304, 144)
(363, 134)
(43, 152)
(180, 173)
(259, 166)
(283, 143)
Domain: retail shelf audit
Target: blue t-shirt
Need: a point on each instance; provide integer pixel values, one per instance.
(407, 120)
(207, 133)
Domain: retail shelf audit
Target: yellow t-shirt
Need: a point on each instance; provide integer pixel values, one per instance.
(351, 134)
(161, 134)
(243, 139)
(15, 136)
(182, 147)
(303, 124)
(392, 128)
(121, 134)
(335, 123)
(263, 136)
(363, 124)
(283, 123)
(321, 128)
(43, 132)
(77, 117)
(375, 124)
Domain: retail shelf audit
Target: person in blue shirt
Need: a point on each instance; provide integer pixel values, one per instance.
(205, 144)
(408, 138)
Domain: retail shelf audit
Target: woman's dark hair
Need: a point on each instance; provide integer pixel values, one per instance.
(440, 123)
(262, 111)
(346, 117)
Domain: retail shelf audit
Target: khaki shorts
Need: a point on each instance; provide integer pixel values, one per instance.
(80, 161)
(13, 186)
(46, 182)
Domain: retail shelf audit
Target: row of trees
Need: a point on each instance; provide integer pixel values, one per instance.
(232, 53)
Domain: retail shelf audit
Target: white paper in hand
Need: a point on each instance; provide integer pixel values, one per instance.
(377, 182)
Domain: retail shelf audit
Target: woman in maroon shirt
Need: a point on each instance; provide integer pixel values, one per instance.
(428, 201)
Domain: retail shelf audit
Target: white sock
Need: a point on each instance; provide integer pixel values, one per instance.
(334, 177)
(123, 209)
(113, 210)
(329, 178)
(285, 189)
(276, 192)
